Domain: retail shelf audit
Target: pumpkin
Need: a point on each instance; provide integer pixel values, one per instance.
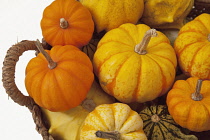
(67, 22)
(189, 104)
(159, 124)
(192, 47)
(66, 125)
(113, 121)
(165, 14)
(60, 78)
(132, 66)
(111, 14)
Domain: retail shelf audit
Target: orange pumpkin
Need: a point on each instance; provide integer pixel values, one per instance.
(63, 81)
(189, 104)
(67, 22)
(192, 47)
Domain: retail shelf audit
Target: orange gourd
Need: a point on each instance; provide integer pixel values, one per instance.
(67, 22)
(192, 47)
(59, 79)
(189, 104)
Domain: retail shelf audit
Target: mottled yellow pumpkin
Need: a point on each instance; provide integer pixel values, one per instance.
(133, 71)
(113, 121)
(109, 14)
(192, 47)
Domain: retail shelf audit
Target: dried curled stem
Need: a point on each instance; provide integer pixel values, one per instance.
(141, 47)
(115, 135)
(51, 63)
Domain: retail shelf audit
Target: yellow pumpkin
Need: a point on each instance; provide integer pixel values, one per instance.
(109, 14)
(166, 13)
(113, 121)
(189, 104)
(192, 47)
(66, 125)
(133, 71)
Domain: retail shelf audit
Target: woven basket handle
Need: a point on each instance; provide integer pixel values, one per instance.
(8, 79)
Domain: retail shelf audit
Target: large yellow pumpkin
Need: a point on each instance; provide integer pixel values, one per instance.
(63, 81)
(67, 22)
(109, 14)
(133, 71)
(192, 47)
(115, 121)
(189, 104)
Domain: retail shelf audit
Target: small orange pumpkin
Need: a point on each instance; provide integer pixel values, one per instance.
(64, 82)
(189, 104)
(67, 22)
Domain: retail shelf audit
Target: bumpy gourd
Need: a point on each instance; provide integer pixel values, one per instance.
(164, 14)
(110, 14)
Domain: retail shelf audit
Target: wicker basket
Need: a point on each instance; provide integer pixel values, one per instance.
(12, 57)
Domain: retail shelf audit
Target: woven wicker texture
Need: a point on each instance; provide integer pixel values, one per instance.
(200, 6)
(8, 79)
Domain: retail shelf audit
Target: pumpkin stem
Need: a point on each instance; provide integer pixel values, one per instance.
(115, 135)
(88, 104)
(64, 23)
(196, 96)
(155, 118)
(209, 37)
(51, 63)
(141, 47)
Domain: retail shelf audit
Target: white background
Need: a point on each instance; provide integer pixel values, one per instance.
(19, 20)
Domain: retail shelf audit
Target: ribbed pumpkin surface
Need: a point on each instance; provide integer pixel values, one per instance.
(117, 117)
(129, 76)
(159, 125)
(63, 87)
(192, 47)
(81, 25)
